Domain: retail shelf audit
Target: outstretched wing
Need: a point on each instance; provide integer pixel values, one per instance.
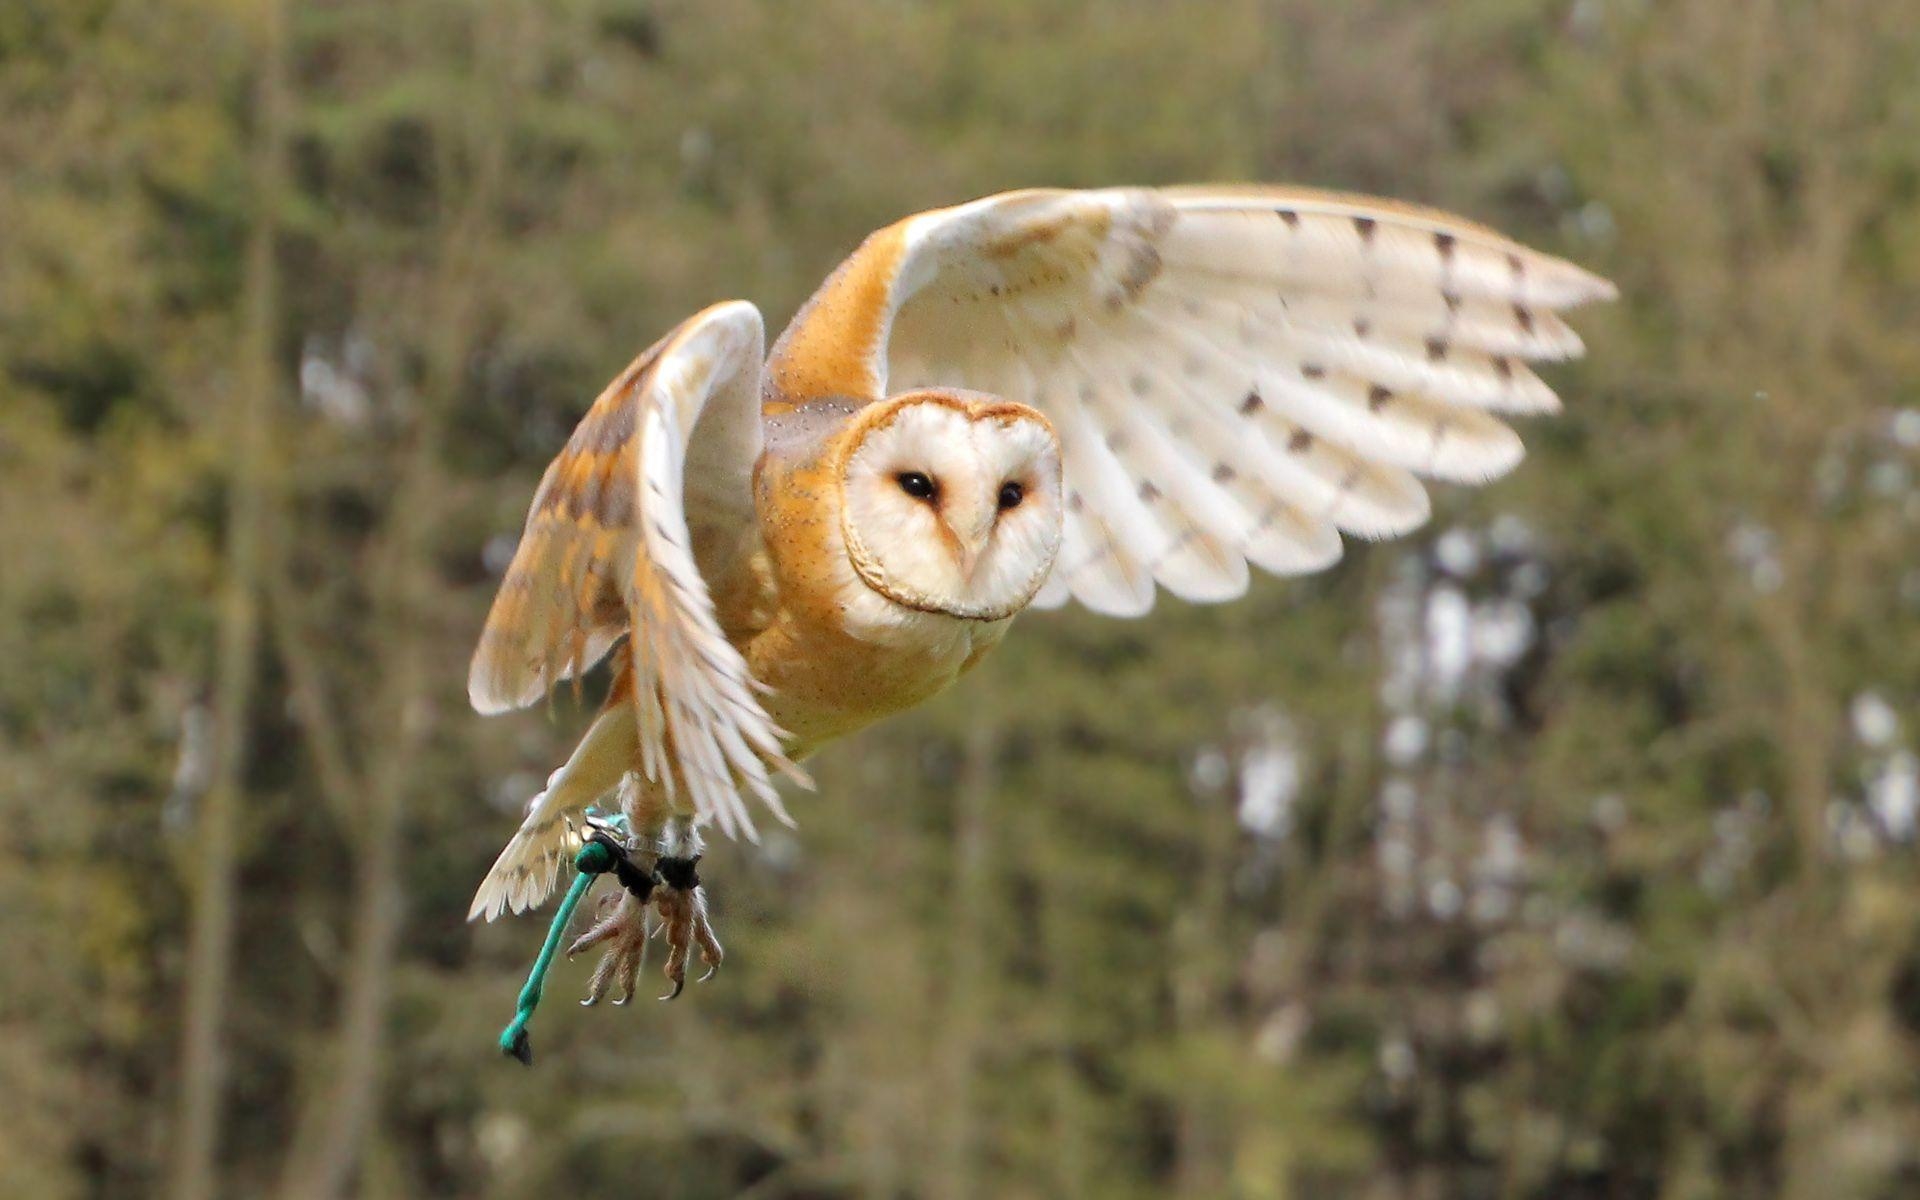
(645, 514)
(1237, 374)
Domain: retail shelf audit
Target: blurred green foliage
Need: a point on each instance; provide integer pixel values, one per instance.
(1566, 850)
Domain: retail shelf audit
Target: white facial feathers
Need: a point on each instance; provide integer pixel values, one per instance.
(952, 503)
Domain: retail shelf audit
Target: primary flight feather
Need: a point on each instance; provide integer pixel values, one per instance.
(1036, 397)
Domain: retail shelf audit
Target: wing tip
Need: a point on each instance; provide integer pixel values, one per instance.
(1494, 456)
(489, 901)
(486, 702)
(1592, 289)
(490, 683)
(799, 775)
(1125, 606)
(1380, 522)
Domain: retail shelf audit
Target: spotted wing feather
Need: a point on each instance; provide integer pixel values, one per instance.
(1238, 375)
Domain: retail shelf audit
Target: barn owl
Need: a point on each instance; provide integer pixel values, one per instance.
(1039, 397)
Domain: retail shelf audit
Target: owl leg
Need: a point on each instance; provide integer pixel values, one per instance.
(666, 883)
(682, 904)
(621, 919)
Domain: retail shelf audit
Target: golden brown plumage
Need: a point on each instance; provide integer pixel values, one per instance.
(1171, 385)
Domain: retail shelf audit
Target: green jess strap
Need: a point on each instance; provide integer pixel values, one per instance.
(596, 858)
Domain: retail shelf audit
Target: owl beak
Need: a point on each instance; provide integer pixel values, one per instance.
(972, 540)
(969, 555)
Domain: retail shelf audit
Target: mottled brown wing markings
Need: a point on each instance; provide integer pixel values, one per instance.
(559, 605)
(604, 556)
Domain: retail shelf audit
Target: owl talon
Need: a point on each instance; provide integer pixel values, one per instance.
(675, 909)
(606, 923)
(682, 904)
(597, 986)
(711, 952)
(622, 923)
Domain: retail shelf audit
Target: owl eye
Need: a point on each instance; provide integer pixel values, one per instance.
(1011, 494)
(916, 484)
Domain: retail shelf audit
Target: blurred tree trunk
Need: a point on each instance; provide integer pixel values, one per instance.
(330, 1143)
(1199, 965)
(1067, 1104)
(334, 1125)
(216, 833)
(966, 999)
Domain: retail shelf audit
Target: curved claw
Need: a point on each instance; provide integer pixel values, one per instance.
(711, 952)
(608, 921)
(596, 989)
(676, 919)
(624, 927)
(629, 976)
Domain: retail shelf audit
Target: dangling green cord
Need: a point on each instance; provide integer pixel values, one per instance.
(595, 859)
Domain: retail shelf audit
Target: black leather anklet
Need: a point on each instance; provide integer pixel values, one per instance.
(680, 874)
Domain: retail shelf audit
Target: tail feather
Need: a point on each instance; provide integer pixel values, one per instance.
(527, 869)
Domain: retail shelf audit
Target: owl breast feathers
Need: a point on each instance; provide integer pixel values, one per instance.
(1033, 398)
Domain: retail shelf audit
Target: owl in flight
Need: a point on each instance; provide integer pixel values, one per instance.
(1038, 397)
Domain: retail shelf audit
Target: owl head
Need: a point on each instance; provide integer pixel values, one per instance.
(951, 502)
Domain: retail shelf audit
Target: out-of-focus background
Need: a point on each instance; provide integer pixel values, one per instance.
(1565, 850)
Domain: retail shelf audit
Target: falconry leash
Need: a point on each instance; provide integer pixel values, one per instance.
(606, 849)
